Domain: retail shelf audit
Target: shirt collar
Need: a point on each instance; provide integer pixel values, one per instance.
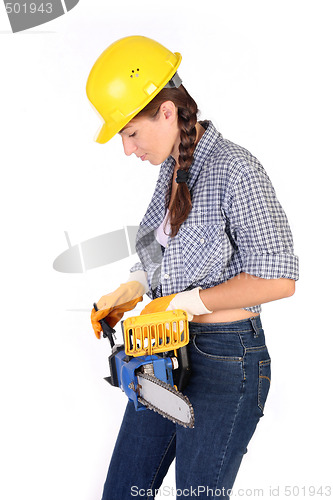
(201, 153)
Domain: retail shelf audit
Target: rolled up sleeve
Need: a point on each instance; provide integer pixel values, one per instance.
(260, 228)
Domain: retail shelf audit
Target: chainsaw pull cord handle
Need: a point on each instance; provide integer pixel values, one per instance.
(108, 331)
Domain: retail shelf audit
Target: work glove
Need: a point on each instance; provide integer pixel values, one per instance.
(111, 315)
(113, 305)
(188, 301)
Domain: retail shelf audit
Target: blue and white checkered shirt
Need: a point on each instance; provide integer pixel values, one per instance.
(236, 223)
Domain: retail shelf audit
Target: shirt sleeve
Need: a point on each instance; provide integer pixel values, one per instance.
(260, 228)
(137, 267)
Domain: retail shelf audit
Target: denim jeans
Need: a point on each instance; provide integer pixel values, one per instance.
(228, 388)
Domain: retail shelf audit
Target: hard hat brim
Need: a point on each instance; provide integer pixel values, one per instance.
(104, 134)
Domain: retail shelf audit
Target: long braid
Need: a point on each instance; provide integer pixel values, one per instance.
(182, 204)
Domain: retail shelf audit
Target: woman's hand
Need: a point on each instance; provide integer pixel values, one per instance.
(113, 305)
(112, 315)
(188, 301)
(125, 292)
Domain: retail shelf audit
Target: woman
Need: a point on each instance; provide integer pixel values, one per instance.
(214, 242)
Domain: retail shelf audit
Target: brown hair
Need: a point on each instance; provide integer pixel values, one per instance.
(187, 119)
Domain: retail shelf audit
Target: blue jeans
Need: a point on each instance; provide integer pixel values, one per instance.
(228, 388)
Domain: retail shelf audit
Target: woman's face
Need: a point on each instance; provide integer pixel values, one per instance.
(153, 139)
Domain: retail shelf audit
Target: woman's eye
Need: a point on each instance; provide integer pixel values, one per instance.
(132, 135)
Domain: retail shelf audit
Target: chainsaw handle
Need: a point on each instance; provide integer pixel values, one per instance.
(183, 372)
(108, 331)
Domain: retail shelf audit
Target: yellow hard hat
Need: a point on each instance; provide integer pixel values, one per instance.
(126, 76)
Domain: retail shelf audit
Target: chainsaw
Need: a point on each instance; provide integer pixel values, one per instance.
(152, 365)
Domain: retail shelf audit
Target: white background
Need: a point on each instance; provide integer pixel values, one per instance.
(261, 71)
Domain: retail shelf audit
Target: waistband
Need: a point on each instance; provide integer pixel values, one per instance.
(244, 325)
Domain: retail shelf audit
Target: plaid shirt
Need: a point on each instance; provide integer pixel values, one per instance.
(236, 223)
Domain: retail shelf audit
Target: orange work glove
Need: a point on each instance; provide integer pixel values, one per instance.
(158, 305)
(188, 301)
(123, 294)
(113, 305)
(112, 315)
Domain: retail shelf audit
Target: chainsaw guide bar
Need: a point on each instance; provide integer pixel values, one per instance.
(165, 400)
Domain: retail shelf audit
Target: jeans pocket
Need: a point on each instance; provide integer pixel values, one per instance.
(219, 347)
(264, 382)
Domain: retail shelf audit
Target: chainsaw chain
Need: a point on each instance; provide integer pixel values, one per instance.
(171, 389)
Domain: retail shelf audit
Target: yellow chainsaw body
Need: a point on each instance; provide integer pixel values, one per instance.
(149, 334)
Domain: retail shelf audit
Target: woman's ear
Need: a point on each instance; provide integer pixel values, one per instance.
(169, 111)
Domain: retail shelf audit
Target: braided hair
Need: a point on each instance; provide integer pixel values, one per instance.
(187, 119)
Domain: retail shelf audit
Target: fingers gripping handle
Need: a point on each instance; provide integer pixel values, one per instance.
(108, 331)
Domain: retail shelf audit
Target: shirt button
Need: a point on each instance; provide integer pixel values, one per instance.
(166, 276)
(202, 240)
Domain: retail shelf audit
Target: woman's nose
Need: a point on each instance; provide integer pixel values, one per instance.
(129, 146)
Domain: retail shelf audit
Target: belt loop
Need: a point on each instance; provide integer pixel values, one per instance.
(255, 327)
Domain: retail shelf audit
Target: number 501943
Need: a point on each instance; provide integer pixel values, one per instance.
(308, 491)
(28, 8)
